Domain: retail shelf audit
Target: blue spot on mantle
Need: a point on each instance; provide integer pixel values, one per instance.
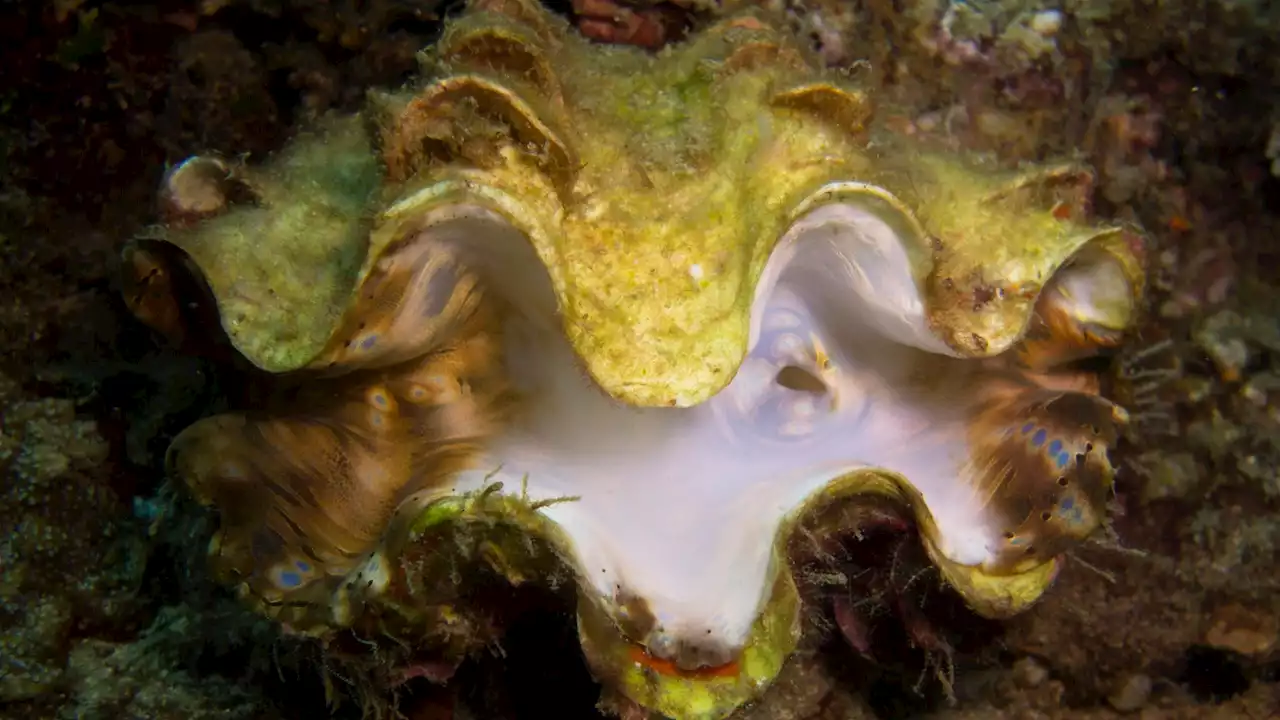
(290, 579)
(1071, 513)
(1039, 438)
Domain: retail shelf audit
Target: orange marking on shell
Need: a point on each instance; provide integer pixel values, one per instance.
(901, 124)
(747, 23)
(665, 667)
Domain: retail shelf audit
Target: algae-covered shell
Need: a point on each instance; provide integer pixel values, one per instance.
(647, 313)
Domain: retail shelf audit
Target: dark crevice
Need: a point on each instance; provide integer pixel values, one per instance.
(539, 672)
(900, 630)
(1213, 675)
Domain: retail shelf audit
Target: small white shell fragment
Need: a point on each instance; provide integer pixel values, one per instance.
(1047, 23)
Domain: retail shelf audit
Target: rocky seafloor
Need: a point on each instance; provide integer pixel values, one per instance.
(105, 607)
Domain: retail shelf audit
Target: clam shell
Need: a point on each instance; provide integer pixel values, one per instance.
(678, 273)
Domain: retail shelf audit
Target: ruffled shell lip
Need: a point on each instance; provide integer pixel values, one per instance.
(313, 203)
(625, 664)
(920, 307)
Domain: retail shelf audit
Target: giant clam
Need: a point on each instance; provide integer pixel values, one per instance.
(563, 306)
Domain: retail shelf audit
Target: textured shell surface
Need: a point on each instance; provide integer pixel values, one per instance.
(561, 309)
